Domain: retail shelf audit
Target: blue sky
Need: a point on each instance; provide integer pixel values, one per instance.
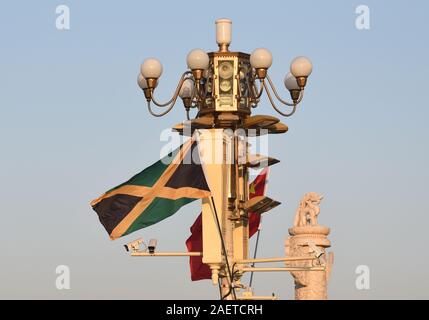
(73, 124)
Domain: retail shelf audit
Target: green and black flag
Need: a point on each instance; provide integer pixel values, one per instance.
(154, 194)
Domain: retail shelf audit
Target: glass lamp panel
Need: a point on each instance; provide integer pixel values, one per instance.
(226, 84)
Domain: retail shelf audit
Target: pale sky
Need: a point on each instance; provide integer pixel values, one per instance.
(73, 124)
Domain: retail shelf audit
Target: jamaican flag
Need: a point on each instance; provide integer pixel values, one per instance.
(153, 194)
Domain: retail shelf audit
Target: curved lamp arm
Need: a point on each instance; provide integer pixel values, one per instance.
(198, 90)
(176, 93)
(277, 109)
(256, 94)
(162, 113)
(280, 99)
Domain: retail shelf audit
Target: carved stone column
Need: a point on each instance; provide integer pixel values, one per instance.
(309, 285)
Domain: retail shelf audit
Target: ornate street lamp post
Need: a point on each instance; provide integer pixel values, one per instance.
(223, 87)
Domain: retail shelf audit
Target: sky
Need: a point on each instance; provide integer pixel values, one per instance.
(73, 124)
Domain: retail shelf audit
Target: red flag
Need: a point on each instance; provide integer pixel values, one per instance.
(257, 188)
(201, 271)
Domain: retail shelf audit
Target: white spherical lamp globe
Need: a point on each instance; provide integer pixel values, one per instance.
(151, 68)
(261, 58)
(187, 89)
(197, 59)
(301, 67)
(290, 82)
(141, 82)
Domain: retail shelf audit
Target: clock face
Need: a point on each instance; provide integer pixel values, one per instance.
(226, 70)
(225, 85)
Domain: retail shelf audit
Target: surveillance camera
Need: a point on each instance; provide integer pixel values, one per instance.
(152, 245)
(134, 245)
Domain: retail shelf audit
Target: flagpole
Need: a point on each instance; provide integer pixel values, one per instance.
(254, 256)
